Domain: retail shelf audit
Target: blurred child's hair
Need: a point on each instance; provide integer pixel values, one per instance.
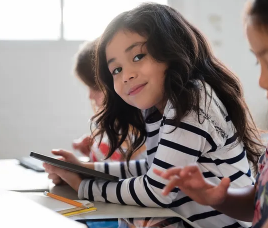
(258, 11)
(84, 66)
(173, 40)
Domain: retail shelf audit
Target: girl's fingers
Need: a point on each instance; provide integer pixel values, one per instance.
(85, 151)
(57, 181)
(189, 170)
(157, 172)
(84, 141)
(76, 145)
(168, 173)
(53, 169)
(181, 172)
(62, 153)
(55, 178)
(171, 172)
(47, 167)
(174, 182)
(62, 159)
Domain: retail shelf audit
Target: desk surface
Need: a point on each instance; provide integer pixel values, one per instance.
(108, 210)
(17, 211)
(17, 178)
(104, 210)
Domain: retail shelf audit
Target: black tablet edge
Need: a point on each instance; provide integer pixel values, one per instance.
(74, 168)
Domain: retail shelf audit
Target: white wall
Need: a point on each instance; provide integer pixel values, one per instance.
(42, 105)
(221, 22)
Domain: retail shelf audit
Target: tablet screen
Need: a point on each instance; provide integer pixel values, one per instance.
(148, 222)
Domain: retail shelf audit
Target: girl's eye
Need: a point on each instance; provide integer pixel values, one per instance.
(117, 70)
(138, 57)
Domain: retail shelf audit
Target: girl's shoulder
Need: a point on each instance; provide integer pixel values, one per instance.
(212, 109)
(212, 115)
(211, 104)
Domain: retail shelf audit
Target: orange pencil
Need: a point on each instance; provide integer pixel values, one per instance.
(65, 200)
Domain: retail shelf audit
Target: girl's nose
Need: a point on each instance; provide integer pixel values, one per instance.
(129, 75)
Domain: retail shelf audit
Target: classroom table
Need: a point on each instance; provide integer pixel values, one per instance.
(109, 210)
(18, 211)
(104, 210)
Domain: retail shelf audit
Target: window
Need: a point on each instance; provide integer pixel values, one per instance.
(30, 19)
(86, 20)
(59, 19)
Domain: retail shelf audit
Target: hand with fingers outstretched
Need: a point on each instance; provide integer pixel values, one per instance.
(191, 181)
(60, 176)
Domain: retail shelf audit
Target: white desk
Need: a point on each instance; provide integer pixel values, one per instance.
(108, 210)
(18, 211)
(17, 178)
(12, 173)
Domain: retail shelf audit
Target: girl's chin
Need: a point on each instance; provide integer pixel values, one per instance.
(142, 106)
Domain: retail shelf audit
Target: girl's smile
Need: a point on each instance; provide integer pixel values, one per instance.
(136, 89)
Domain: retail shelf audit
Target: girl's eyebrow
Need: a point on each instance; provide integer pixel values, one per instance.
(134, 45)
(127, 50)
(110, 61)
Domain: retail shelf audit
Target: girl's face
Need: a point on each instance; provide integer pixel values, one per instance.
(258, 40)
(138, 78)
(96, 97)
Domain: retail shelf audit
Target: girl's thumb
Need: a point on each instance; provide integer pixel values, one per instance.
(224, 185)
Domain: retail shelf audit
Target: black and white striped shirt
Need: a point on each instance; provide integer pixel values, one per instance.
(212, 144)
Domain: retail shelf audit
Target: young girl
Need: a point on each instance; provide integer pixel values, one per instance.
(84, 69)
(251, 202)
(160, 77)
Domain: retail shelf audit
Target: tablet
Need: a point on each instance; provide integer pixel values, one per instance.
(84, 172)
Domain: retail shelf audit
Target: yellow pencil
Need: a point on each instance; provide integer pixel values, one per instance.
(65, 200)
(80, 211)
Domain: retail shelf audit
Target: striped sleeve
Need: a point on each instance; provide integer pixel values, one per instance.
(176, 148)
(121, 170)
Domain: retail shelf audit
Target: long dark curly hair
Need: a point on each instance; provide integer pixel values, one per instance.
(173, 40)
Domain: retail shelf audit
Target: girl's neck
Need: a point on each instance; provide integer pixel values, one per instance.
(161, 106)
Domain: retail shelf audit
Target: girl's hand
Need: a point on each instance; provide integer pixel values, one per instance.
(83, 144)
(65, 156)
(191, 181)
(72, 179)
